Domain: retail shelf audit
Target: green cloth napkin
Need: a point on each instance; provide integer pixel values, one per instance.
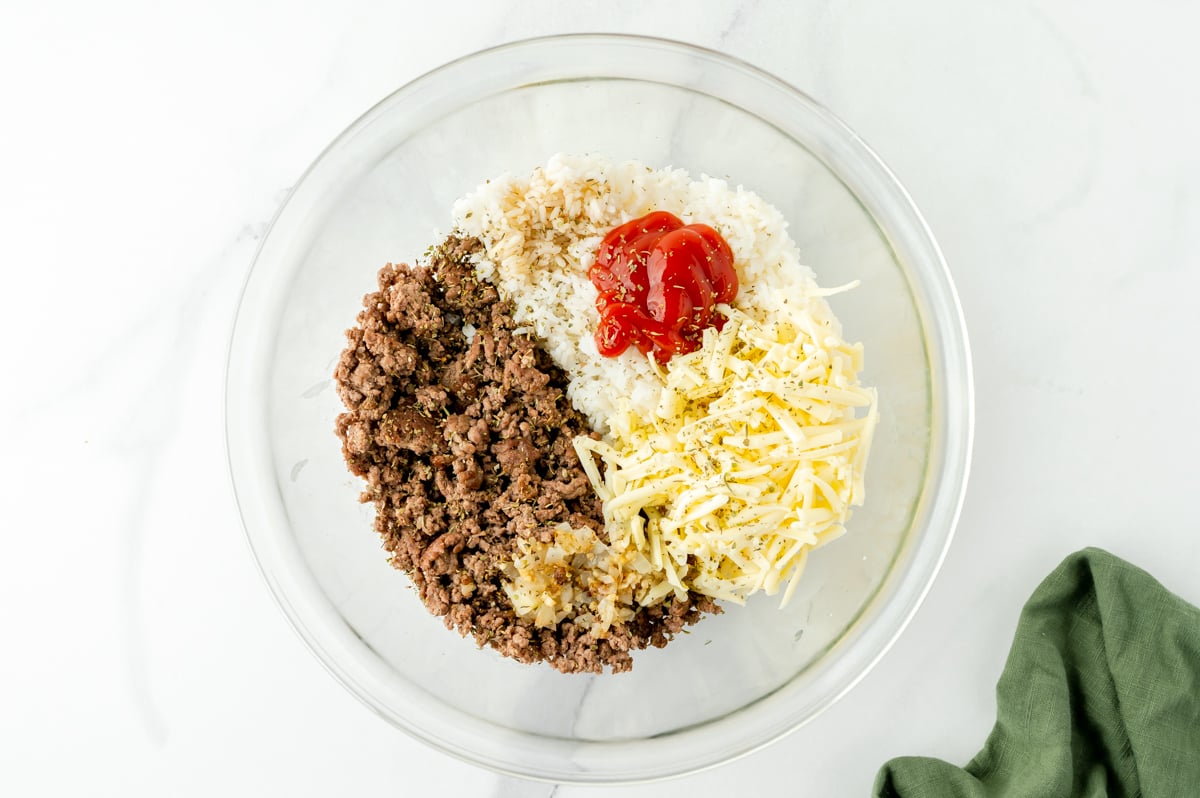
(1100, 697)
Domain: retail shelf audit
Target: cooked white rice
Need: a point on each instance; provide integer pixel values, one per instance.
(541, 233)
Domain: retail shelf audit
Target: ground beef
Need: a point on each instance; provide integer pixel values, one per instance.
(465, 447)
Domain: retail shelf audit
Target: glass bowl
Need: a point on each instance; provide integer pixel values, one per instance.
(382, 192)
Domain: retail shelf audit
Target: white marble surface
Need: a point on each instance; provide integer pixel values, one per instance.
(1052, 147)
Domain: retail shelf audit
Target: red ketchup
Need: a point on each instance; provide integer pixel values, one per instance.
(659, 284)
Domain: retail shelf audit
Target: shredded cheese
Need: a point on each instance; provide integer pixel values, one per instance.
(751, 460)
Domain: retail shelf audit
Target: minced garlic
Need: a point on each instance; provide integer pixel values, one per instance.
(576, 575)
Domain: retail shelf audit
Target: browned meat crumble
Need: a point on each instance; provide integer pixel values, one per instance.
(465, 446)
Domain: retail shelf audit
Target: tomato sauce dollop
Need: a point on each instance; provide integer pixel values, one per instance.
(659, 283)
